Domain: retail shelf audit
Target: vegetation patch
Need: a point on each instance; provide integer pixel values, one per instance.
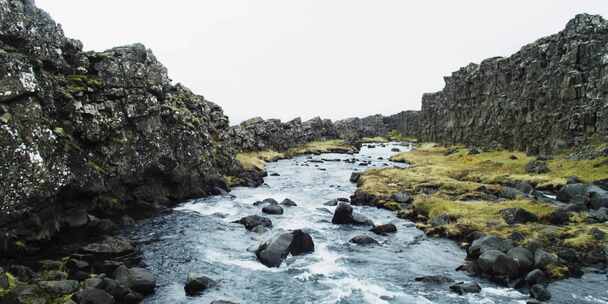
(395, 135)
(377, 139)
(318, 147)
(457, 191)
(257, 160)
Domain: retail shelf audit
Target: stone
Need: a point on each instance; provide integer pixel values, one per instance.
(110, 247)
(494, 262)
(571, 192)
(483, 244)
(273, 209)
(542, 259)
(402, 197)
(540, 293)
(523, 257)
(537, 167)
(536, 276)
(275, 250)
(440, 220)
(384, 229)
(93, 296)
(363, 240)
(434, 279)
(288, 203)
(517, 216)
(137, 279)
(252, 221)
(344, 215)
(59, 288)
(197, 283)
(464, 288)
(354, 177)
(559, 217)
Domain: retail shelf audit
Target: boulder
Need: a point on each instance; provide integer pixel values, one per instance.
(434, 279)
(598, 197)
(252, 221)
(384, 229)
(402, 197)
(273, 251)
(464, 288)
(572, 192)
(137, 279)
(354, 177)
(268, 201)
(110, 247)
(540, 293)
(273, 209)
(494, 262)
(344, 215)
(559, 217)
(542, 259)
(93, 296)
(537, 167)
(59, 288)
(288, 203)
(486, 243)
(517, 216)
(363, 240)
(197, 283)
(523, 257)
(536, 276)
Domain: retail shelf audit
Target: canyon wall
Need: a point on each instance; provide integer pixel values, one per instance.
(94, 133)
(549, 95)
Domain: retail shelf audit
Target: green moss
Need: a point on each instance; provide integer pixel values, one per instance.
(257, 160)
(6, 118)
(323, 146)
(12, 282)
(377, 139)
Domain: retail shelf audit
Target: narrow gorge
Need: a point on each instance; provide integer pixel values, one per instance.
(118, 185)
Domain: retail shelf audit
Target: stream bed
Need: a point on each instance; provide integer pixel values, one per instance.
(199, 236)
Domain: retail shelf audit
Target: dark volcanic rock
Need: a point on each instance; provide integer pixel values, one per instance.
(537, 167)
(364, 240)
(288, 203)
(344, 215)
(273, 251)
(543, 98)
(384, 229)
(252, 221)
(137, 279)
(197, 283)
(483, 244)
(463, 288)
(540, 293)
(105, 131)
(434, 279)
(517, 216)
(273, 209)
(93, 296)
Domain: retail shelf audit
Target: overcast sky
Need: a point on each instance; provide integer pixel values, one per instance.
(329, 58)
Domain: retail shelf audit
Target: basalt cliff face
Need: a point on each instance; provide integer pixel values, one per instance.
(549, 95)
(94, 133)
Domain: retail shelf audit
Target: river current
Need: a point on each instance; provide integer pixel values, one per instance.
(199, 236)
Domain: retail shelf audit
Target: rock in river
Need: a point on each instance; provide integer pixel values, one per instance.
(363, 240)
(252, 221)
(273, 251)
(344, 215)
(137, 279)
(384, 229)
(273, 209)
(197, 283)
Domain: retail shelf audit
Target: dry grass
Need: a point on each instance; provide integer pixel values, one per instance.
(257, 160)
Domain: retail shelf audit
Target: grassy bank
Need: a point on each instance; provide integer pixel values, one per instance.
(257, 160)
(456, 192)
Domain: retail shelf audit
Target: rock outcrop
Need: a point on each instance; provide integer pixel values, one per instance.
(549, 95)
(257, 134)
(97, 133)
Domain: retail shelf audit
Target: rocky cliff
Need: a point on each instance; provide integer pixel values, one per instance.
(257, 134)
(94, 133)
(549, 95)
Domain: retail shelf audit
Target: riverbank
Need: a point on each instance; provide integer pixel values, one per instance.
(552, 209)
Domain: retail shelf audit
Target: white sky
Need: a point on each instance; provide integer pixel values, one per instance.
(329, 58)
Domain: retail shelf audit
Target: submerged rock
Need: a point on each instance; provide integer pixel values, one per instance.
(288, 203)
(463, 288)
(384, 229)
(273, 209)
(434, 279)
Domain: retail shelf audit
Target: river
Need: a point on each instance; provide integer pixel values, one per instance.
(199, 236)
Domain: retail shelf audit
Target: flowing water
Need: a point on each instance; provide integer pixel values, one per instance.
(199, 236)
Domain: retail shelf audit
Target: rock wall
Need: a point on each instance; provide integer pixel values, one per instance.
(356, 128)
(549, 95)
(94, 133)
(258, 134)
